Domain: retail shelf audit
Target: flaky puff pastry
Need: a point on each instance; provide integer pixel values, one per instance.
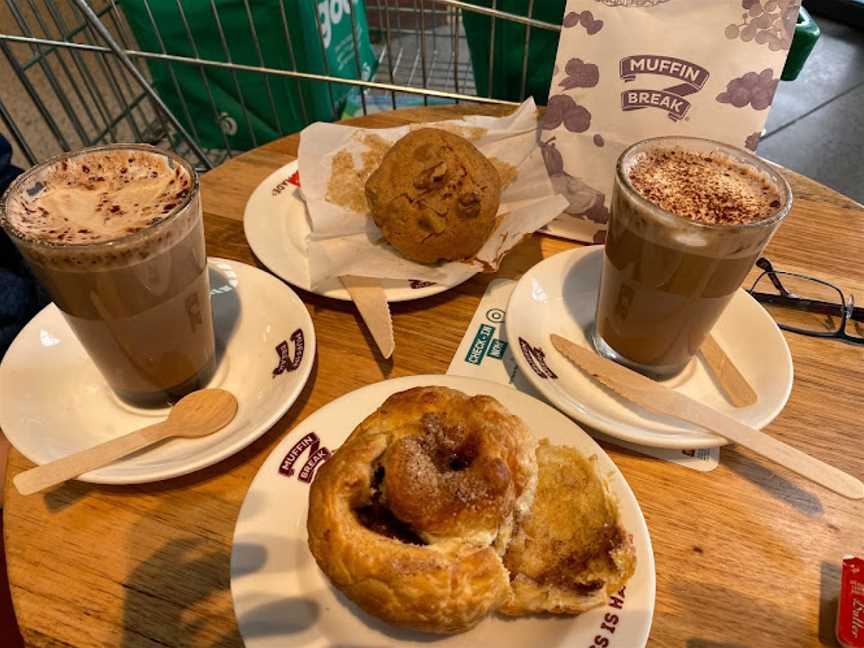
(570, 552)
(410, 515)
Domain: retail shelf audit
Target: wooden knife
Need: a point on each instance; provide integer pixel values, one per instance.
(371, 301)
(657, 398)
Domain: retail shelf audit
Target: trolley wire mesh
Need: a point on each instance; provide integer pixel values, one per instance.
(77, 75)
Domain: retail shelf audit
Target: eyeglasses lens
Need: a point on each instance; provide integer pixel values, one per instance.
(801, 303)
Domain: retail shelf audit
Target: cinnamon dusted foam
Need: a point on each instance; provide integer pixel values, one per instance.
(708, 188)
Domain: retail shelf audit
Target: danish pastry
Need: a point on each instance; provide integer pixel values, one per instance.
(441, 508)
(404, 517)
(569, 553)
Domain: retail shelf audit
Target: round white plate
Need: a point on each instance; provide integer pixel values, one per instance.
(276, 228)
(282, 599)
(745, 331)
(54, 401)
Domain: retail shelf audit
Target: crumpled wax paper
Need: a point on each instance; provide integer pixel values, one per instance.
(335, 160)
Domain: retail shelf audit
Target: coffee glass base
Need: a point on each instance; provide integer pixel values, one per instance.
(168, 397)
(656, 372)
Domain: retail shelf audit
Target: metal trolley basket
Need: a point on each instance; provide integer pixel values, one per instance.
(87, 80)
(79, 73)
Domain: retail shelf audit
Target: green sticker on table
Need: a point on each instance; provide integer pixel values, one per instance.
(481, 342)
(497, 349)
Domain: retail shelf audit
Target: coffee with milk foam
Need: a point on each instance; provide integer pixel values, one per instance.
(98, 197)
(116, 237)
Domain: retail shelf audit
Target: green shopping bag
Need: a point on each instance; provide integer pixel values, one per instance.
(249, 108)
(509, 49)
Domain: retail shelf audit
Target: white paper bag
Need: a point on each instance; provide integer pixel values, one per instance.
(627, 70)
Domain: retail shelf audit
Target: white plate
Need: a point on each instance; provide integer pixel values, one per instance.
(276, 228)
(54, 401)
(745, 331)
(282, 599)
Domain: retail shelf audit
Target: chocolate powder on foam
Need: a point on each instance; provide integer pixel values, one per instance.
(704, 187)
(97, 196)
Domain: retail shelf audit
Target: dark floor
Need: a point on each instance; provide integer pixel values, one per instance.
(816, 125)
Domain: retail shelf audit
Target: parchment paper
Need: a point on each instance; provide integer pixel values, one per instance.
(344, 240)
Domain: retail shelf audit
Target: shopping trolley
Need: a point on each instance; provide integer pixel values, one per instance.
(210, 79)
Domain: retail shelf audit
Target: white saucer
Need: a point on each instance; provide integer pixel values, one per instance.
(54, 401)
(745, 331)
(276, 228)
(282, 599)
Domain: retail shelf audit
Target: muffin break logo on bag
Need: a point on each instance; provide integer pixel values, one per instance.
(692, 79)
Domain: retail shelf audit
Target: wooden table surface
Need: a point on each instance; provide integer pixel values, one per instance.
(747, 555)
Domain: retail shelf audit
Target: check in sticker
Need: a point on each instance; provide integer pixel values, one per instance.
(480, 344)
(485, 352)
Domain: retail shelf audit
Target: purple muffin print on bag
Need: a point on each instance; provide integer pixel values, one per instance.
(752, 141)
(585, 202)
(564, 110)
(754, 88)
(584, 19)
(598, 212)
(580, 75)
(766, 22)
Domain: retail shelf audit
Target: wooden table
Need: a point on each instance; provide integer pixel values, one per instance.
(746, 555)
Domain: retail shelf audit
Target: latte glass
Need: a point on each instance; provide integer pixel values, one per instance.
(667, 278)
(139, 303)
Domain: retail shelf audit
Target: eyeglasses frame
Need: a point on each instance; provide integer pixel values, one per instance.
(848, 310)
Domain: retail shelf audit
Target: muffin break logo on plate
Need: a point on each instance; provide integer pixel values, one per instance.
(536, 358)
(318, 454)
(286, 362)
(671, 99)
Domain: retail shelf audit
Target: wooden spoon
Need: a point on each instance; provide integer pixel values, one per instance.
(195, 415)
(732, 382)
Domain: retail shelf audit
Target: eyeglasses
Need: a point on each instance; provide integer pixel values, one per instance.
(806, 305)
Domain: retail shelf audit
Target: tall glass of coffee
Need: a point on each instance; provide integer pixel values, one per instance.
(115, 235)
(689, 219)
